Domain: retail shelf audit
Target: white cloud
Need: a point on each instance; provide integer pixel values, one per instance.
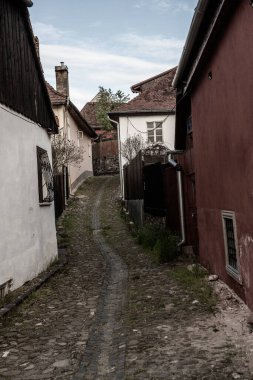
(92, 64)
(47, 32)
(158, 47)
(173, 5)
(88, 69)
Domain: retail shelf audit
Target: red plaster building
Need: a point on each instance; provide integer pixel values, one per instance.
(214, 120)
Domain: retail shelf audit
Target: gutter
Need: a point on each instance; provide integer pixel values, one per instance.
(84, 125)
(193, 32)
(140, 112)
(181, 202)
(204, 43)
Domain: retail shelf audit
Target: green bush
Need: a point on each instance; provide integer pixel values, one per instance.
(166, 247)
(163, 243)
(148, 235)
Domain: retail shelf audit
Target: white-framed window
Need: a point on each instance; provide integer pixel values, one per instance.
(68, 132)
(189, 124)
(45, 177)
(231, 244)
(155, 131)
(79, 137)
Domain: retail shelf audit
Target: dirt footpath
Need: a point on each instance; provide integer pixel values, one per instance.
(170, 334)
(113, 313)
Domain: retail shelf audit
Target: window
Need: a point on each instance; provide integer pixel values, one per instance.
(155, 131)
(45, 177)
(189, 125)
(230, 241)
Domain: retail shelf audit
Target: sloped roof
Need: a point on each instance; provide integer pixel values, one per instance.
(58, 99)
(156, 94)
(89, 113)
(167, 76)
(23, 91)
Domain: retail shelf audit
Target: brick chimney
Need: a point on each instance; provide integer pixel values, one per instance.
(62, 79)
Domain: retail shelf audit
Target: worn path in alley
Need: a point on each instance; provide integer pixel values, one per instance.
(113, 313)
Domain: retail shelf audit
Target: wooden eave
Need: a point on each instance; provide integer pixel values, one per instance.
(116, 115)
(53, 129)
(80, 120)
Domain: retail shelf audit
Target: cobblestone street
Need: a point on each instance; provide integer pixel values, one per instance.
(113, 313)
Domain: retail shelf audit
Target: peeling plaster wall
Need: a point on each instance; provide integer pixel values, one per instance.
(84, 169)
(27, 230)
(77, 174)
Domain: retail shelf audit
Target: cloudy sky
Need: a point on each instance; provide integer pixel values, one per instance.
(112, 43)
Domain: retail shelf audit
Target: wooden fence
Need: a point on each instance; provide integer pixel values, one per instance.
(156, 186)
(61, 191)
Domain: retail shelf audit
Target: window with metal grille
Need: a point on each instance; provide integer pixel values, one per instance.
(155, 131)
(45, 177)
(230, 239)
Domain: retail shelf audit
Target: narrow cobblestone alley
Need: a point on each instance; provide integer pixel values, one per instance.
(113, 313)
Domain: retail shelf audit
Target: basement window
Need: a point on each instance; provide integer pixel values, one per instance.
(230, 241)
(45, 178)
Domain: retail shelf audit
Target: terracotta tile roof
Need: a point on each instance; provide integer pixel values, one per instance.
(56, 97)
(155, 94)
(89, 113)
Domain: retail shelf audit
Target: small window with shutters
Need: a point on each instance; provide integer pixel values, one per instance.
(230, 242)
(45, 177)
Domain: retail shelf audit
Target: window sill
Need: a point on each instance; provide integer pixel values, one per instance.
(235, 274)
(44, 204)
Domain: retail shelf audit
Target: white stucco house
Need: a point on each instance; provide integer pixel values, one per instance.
(150, 115)
(73, 126)
(27, 224)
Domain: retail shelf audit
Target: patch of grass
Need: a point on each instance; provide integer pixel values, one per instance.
(148, 235)
(166, 246)
(195, 284)
(163, 243)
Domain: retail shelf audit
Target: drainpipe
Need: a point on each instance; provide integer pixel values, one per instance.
(181, 203)
(120, 160)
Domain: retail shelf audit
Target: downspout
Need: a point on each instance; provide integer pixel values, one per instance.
(181, 202)
(120, 160)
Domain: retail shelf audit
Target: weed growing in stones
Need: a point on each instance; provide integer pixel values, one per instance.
(194, 283)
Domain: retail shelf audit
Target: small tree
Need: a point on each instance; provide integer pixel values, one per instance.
(108, 101)
(131, 147)
(65, 152)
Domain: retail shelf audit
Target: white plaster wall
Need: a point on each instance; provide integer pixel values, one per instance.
(27, 230)
(137, 125)
(85, 167)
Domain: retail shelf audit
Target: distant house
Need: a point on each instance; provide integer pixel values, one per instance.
(27, 225)
(105, 148)
(214, 126)
(150, 115)
(73, 126)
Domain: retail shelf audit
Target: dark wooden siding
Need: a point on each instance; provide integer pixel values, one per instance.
(154, 190)
(22, 86)
(133, 179)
